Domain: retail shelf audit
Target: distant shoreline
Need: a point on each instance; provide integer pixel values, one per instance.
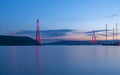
(27, 41)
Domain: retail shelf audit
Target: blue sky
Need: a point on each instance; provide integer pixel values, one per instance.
(83, 15)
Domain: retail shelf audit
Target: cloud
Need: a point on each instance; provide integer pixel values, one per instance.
(56, 33)
(47, 33)
(103, 34)
(60, 33)
(113, 15)
(96, 31)
(66, 33)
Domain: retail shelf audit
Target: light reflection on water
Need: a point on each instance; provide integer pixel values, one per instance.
(60, 60)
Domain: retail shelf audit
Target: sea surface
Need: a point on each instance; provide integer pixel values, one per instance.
(59, 60)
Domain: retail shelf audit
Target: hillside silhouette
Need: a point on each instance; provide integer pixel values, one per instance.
(17, 40)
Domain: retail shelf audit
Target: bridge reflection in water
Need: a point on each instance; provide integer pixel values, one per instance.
(16, 64)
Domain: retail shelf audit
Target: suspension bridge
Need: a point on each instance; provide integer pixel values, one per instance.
(38, 34)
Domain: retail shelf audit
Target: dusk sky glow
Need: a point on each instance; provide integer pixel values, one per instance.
(78, 15)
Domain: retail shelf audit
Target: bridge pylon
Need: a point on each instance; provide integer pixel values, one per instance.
(93, 38)
(38, 32)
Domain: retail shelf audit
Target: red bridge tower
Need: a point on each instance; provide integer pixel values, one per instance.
(94, 38)
(38, 32)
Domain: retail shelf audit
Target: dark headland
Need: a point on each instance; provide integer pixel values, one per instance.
(17, 41)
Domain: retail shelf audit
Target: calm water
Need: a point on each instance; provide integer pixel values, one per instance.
(60, 60)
